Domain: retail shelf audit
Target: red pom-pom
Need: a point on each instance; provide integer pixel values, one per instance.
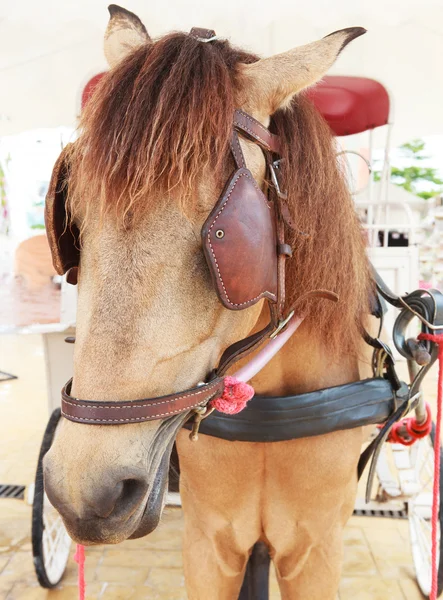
(235, 396)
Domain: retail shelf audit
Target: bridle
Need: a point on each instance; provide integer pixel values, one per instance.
(243, 240)
(225, 238)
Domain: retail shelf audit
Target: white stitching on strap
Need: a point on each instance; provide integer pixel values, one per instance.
(213, 253)
(133, 419)
(254, 121)
(131, 406)
(253, 134)
(237, 152)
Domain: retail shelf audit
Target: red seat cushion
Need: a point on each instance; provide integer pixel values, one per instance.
(89, 88)
(351, 104)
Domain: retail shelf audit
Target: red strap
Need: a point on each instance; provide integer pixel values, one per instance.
(437, 339)
(79, 558)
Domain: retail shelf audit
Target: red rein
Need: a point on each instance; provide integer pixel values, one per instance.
(79, 558)
(437, 339)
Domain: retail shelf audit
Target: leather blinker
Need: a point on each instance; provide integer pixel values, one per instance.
(63, 236)
(240, 244)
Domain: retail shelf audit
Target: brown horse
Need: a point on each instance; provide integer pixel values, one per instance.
(150, 163)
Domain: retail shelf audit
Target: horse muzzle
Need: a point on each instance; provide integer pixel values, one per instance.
(122, 505)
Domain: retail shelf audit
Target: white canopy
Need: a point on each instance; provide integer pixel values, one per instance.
(49, 49)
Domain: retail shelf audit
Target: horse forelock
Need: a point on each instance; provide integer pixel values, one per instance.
(154, 124)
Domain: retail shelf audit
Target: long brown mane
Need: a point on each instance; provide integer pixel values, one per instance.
(164, 115)
(156, 122)
(332, 255)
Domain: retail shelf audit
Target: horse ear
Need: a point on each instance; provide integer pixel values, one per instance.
(124, 33)
(271, 83)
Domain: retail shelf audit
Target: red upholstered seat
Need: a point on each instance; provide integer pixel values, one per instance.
(89, 88)
(351, 104)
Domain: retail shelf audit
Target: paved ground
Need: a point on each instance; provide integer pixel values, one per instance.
(377, 565)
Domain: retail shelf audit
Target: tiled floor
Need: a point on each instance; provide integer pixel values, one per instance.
(377, 563)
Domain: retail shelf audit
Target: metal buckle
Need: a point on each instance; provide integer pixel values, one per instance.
(273, 168)
(201, 412)
(281, 325)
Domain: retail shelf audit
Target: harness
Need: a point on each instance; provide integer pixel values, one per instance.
(244, 244)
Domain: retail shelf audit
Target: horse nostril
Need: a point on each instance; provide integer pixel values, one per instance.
(131, 494)
(122, 501)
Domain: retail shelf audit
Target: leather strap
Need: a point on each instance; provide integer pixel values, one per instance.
(256, 131)
(243, 347)
(281, 265)
(281, 418)
(94, 412)
(424, 304)
(237, 152)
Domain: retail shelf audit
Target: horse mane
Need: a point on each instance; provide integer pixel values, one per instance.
(329, 247)
(164, 115)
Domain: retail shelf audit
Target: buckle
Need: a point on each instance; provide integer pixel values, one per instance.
(201, 412)
(281, 324)
(273, 169)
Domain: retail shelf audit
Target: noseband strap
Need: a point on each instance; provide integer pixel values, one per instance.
(95, 412)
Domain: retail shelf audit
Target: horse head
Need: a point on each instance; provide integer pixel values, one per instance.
(151, 160)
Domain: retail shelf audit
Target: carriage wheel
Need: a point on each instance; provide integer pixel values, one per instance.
(50, 540)
(419, 513)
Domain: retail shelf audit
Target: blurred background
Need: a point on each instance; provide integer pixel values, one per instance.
(51, 54)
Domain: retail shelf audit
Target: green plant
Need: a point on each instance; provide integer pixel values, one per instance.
(411, 176)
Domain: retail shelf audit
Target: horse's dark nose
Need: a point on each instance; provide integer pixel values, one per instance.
(116, 495)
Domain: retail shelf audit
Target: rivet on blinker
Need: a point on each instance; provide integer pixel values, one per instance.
(219, 234)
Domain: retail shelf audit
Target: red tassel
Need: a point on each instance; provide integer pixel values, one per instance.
(235, 396)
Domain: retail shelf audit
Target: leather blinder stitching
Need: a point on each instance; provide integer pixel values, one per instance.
(213, 253)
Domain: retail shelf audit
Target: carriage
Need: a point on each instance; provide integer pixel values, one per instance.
(351, 105)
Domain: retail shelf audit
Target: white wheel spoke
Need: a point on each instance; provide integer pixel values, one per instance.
(55, 543)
